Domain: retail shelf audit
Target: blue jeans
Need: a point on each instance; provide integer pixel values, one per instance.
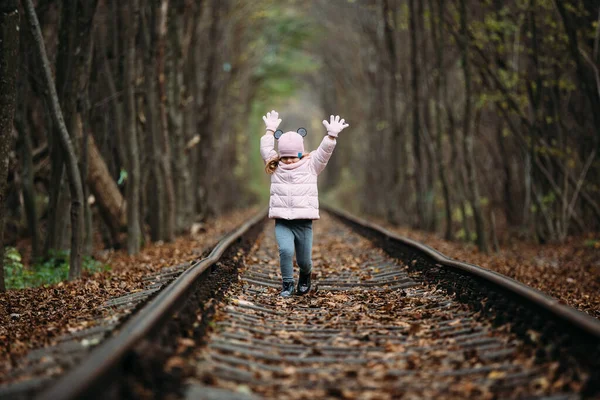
(293, 235)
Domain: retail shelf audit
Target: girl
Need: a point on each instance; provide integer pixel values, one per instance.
(294, 201)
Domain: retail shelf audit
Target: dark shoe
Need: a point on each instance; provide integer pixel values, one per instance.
(304, 284)
(288, 289)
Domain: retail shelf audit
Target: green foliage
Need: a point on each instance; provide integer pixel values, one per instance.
(505, 35)
(49, 272)
(548, 199)
(281, 35)
(122, 177)
(281, 44)
(461, 235)
(402, 17)
(381, 125)
(593, 243)
(457, 212)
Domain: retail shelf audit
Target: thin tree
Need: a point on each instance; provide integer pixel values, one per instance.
(25, 151)
(130, 14)
(155, 187)
(416, 117)
(205, 119)
(179, 35)
(473, 186)
(437, 31)
(64, 139)
(9, 50)
(165, 158)
(56, 234)
(389, 19)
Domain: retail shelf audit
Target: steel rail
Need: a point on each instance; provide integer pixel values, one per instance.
(85, 379)
(574, 317)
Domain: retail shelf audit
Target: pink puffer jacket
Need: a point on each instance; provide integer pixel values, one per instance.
(294, 193)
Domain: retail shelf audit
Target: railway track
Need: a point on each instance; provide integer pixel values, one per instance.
(388, 318)
(41, 366)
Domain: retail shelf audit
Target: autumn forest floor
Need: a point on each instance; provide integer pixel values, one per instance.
(569, 271)
(35, 317)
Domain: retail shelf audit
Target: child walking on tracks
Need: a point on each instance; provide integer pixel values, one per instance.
(294, 201)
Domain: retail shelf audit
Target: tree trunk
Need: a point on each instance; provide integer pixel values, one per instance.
(56, 237)
(180, 31)
(88, 243)
(65, 141)
(156, 186)
(432, 170)
(473, 186)
(25, 148)
(111, 203)
(130, 13)
(534, 93)
(85, 22)
(175, 97)
(56, 217)
(9, 60)
(65, 79)
(415, 104)
(72, 72)
(440, 82)
(109, 75)
(165, 154)
(510, 209)
(390, 41)
(105, 190)
(206, 117)
(190, 104)
(428, 175)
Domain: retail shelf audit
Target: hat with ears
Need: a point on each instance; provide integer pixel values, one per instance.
(291, 144)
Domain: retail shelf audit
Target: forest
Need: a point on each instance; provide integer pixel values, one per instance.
(123, 123)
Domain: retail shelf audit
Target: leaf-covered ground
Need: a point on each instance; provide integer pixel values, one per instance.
(36, 317)
(569, 272)
(357, 337)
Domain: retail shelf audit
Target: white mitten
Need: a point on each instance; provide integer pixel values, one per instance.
(272, 120)
(335, 125)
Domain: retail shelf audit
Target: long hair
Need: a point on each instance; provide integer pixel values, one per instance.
(272, 165)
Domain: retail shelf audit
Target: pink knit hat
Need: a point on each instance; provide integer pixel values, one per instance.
(291, 144)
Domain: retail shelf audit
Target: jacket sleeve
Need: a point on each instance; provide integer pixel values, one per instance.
(267, 147)
(320, 157)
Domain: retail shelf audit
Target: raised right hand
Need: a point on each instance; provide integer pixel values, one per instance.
(272, 120)
(335, 125)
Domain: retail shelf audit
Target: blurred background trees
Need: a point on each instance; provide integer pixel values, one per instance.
(476, 119)
(473, 118)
